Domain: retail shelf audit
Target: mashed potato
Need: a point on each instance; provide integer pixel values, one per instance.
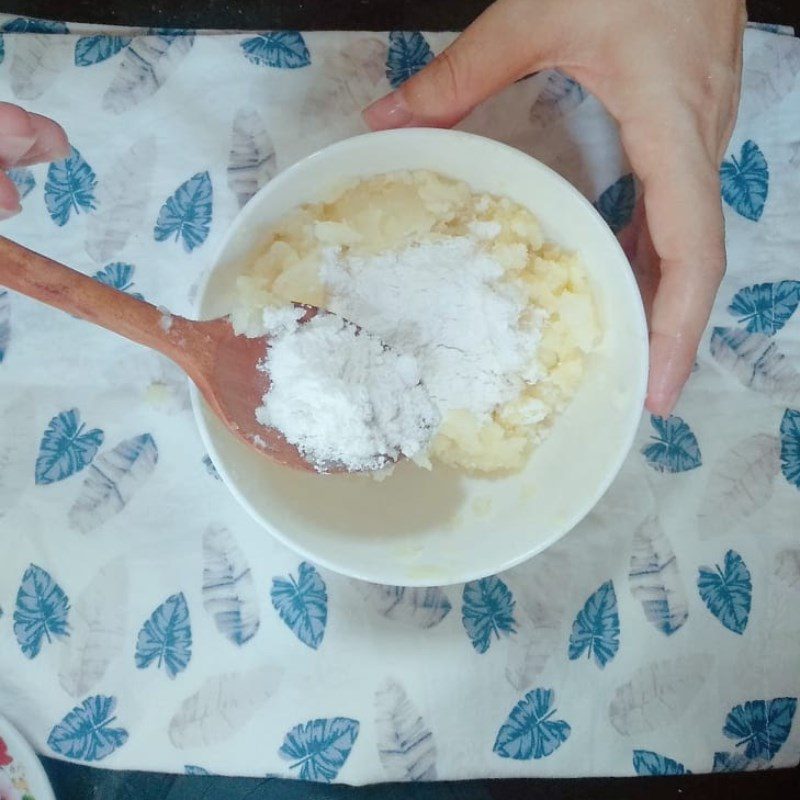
(390, 212)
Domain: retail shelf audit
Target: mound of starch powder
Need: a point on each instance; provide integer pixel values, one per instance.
(445, 303)
(340, 396)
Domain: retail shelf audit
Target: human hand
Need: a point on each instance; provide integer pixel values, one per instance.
(25, 138)
(669, 73)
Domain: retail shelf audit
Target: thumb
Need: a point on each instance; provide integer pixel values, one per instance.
(491, 53)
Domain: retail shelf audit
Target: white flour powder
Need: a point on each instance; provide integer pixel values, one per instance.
(340, 396)
(498, 321)
(474, 336)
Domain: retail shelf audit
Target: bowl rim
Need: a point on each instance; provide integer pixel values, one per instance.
(24, 754)
(200, 409)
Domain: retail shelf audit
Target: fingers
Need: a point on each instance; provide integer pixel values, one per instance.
(684, 216)
(491, 53)
(638, 247)
(26, 138)
(663, 130)
(9, 198)
(51, 142)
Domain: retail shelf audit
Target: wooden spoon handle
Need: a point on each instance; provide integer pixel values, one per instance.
(43, 279)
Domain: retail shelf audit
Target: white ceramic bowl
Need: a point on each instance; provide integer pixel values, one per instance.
(24, 768)
(423, 528)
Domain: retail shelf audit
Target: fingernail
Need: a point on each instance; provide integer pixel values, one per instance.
(390, 111)
(15, 147)
(59, 151)
(671, 360)
(7, 213)
(662, 404)
(664, 386)
(51, 145)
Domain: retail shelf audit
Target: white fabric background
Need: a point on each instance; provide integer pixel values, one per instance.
(54, 363)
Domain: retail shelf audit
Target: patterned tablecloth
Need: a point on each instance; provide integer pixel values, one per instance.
(148, 623)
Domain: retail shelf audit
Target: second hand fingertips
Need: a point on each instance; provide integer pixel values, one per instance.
(7, 213)
(13, 148)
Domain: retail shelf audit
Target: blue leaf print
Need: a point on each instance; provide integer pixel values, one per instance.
(144, 67)
(761, 725)
(123, 194)
(65, 448)
(41, 611)
(737, 762)
(487, 608)
(170, 34)
(166, 637)
(85, 732)
(210, 468)
(94, 49)
(727, 762)
(408, 53)
(757, 362)
(35, 64)
(280, 49)
(727, 594)
(5, 323)
(766, 307)
(119, 276)
(790, 446)
(529, 732)
(406, 746)
(745, 182)
(70, 185)
(616, 203)
(30, 25)
(252, 159)
(191, 769)
(228, 591)
(646, 762)
(421, 607)
(320, 747)
(675, 448)
(222, 705)
(2, 49)
(302, 604)
(655, 579)
(187, 213)
(559, 95)
(769, 27)
(596, 627)
(112, 480)
(22, 178)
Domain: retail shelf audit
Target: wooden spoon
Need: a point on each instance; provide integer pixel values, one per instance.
(223, 365)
